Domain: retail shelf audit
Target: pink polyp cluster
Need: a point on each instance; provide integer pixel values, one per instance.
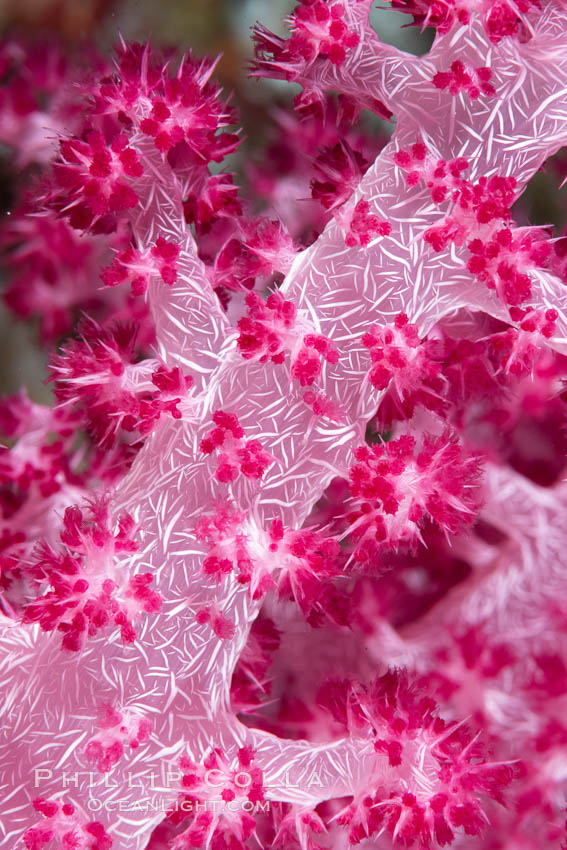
(502, 263)
(306, 366)
(333, 30)
(169, 108)
(501, 19)
(237, 455)
(500, 254)
(363, 225)
(87, 590)
(138, 267)
(238, 783)
(100, 375)
(295, 563)
(95, 178)
(65, 828)
(339, 169)
(259, 248)
(411, 722)
(460, 78)
(271, 328)
(404, 363)
(106, 747)
(263, 331)
(318, 29)
(396, 487)
(302, 560)
(221, 625)
(519, 347)
(322, 405)
(439, 176)
(222, 531)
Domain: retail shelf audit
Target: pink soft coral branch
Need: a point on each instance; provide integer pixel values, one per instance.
(177, 672)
